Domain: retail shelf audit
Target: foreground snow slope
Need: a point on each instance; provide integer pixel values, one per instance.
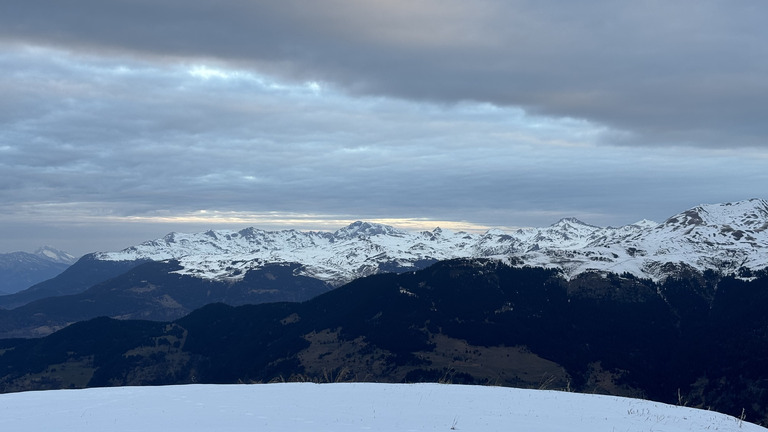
(346, 407)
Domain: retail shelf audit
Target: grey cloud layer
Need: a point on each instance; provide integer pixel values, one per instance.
(690, 72)
(131, 138)
(495, 112)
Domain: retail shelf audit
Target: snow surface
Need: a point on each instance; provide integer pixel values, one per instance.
(723, 237)
(347, 407)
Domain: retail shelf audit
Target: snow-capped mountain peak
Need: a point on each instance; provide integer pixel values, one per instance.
(747, 214)
(571, 221)
(722, 237)
(52, 254)
(645, 223)
(367, 229)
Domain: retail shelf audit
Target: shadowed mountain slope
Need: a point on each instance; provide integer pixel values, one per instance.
(78, 277)
(153, 291)
(698, 341)
(21, 270)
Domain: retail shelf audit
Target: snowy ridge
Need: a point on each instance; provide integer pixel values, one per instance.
(722, 237)
(348, 407)
(52, 254)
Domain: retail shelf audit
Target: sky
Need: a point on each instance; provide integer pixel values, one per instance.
(123, 120)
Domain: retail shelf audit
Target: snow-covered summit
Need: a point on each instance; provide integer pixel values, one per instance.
(723, 237)
(367, 229)
(747, 214)
(645, 223)
(52, 254)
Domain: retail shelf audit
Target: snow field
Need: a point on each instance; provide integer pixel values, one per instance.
(347, 407)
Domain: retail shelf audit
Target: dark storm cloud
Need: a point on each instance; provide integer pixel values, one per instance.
(690, 72)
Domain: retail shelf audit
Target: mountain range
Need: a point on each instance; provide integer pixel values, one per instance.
(20, 270)
(167, 278)
(671, 311)
(723, 237)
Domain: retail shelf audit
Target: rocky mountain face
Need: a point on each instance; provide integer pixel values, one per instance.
(728, 238)
(20, 270)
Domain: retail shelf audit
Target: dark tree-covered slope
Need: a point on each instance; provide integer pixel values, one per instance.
(152, 291)
(701, 341)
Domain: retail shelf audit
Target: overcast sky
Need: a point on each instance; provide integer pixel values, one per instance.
(122, 120)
